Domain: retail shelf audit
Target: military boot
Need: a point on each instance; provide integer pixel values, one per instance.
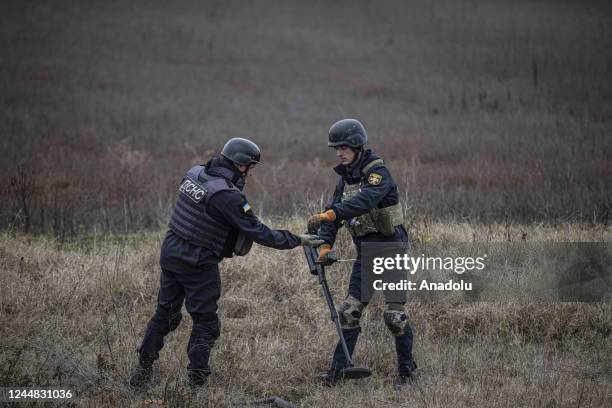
(198, 378)
(141, 375)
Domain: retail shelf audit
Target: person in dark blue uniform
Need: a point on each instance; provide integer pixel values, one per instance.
(212, 220)
(366, 200)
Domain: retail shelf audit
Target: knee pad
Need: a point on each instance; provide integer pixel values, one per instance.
(395, 318)
(349, 312)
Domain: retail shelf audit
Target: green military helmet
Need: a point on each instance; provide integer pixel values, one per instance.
(347, 132)
(241, 151)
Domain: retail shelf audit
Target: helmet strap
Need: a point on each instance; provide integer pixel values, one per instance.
(357, 152)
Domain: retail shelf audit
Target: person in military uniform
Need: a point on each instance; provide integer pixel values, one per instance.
(212, 220)
(366, 201)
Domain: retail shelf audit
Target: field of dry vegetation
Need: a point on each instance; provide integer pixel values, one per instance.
(494, 117)
(483, 109)
(73, 315)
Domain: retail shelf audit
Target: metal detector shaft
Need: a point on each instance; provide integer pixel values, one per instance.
(319, 270)
(334, 316)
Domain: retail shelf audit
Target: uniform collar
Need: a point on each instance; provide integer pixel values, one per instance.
(221, 167)
(352, 173)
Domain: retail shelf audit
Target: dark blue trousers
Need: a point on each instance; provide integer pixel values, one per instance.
(403, 343)
(198, 286)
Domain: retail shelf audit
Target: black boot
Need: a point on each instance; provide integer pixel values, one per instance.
(141, 375)
(334, 374)
(198, 378)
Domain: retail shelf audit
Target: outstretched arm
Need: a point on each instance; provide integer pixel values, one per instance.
(237, 211)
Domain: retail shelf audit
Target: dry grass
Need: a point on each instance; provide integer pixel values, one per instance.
(487, 111)
(73, 315)
(482, 110)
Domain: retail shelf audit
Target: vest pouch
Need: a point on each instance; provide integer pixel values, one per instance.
(386, 219)
(243, 245)
(361, 226)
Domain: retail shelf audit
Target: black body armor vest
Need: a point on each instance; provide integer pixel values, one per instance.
(190, 219)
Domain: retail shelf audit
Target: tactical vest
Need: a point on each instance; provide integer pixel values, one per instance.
(377, 220)
(190, 219)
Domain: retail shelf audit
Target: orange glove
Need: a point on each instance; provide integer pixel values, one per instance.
(323, 251)
(328, 215)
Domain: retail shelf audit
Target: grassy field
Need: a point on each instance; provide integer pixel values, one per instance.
(483, 109)
(73, 314)
(494, 118)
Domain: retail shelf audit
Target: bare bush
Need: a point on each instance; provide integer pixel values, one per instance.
(23, 187)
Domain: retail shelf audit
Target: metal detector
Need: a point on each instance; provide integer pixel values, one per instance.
(350, 371)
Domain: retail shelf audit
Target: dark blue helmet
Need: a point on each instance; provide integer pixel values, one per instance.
(241, 151)
(347, 132)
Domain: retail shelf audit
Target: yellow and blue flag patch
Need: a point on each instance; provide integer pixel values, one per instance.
(246, 208)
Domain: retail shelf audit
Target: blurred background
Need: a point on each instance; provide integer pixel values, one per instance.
(484, 110)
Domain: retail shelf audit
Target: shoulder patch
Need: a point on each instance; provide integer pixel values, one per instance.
(374, 179)
(246, 208)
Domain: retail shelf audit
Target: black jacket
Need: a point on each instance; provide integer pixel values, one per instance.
(377, 192)
(229, 212)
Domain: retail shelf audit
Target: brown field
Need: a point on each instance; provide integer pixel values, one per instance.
(484, 110)
(73, 315)
(495, 118)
